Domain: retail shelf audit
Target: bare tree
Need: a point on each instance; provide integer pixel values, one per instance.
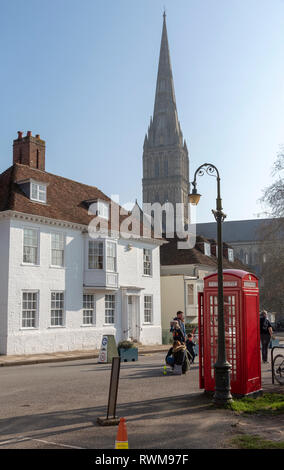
(272, 249)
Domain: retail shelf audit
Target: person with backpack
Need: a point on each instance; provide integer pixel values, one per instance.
(190, 344)
(180, 319)
(176, 331)
(265, 334)
(177, 357)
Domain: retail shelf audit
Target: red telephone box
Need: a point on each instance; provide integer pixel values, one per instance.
(242, 335)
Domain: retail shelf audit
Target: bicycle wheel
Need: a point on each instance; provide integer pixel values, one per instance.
(278, 368)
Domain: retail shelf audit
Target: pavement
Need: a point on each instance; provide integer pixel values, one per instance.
(27, 359)
(17, 360)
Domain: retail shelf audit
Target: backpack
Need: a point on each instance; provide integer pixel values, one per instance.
(177, 335)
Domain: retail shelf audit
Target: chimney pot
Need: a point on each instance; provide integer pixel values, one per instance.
(37, 136)
(29, 133)
(20, 134)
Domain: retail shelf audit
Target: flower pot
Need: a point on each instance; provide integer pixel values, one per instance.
(130, 354)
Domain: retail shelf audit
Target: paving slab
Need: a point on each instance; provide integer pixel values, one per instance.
(26, 359)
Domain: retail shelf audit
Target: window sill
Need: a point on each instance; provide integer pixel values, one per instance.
(91, 325)
(56, 326)
(109, 324)
(29, 328)
(39, 202)
(30, 264)
(147, 324)
(95, 269)
(53, 266)
(147, 275)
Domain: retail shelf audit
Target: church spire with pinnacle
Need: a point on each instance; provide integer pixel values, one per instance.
(165, 154)
(165, 127)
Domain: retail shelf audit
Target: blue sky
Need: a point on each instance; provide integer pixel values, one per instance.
(82, 74)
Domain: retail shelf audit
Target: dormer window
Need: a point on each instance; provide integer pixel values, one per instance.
(207, 249)
(38, 192)
(98, 207)
(230, 254)
(103, 209)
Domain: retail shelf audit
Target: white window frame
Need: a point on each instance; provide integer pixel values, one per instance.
(96, 255)
(52, 249)
(56, 308)
(31, 246)
(190, 294)
(146, 308)
(111, 256)
(147, 262)
(40, 192)
(231, 254)
(36, 310)
(110, 306)
(207, 249)
(103, 209)
(89, 309)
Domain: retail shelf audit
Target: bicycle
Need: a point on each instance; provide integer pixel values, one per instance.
(277, 366)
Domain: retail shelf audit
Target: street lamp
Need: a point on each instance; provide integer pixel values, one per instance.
(222, 393)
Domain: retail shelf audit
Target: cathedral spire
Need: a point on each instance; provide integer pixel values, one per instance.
(165, 155)
(165, 129)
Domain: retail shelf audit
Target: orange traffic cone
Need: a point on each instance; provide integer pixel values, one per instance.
(121, 438)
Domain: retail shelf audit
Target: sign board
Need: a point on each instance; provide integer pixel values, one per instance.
(249, 284)
(103, 351)
(225, 284)
(108, 349)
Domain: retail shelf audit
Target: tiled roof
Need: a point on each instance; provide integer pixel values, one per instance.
(66, 199)
(171, 255)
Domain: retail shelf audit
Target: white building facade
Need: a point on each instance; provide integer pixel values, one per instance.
(62, 290)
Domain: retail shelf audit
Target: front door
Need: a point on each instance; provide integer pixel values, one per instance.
(133, 317)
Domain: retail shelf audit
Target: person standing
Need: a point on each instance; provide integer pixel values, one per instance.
(180, 319)
(190, 344)
(265, 334)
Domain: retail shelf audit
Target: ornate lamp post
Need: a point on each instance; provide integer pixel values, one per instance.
(222, 368)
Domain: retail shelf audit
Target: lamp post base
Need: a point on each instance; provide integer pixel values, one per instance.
(222, 395)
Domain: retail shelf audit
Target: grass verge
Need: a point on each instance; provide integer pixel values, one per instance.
(247, 441)
(272, 403)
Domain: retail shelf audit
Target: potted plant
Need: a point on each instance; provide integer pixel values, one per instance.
(127, 351)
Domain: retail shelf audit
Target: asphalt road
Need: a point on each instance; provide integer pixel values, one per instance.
(55, 406)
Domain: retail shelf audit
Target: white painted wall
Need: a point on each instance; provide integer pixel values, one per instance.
(44, 279)
(130, 267)
(4, 274)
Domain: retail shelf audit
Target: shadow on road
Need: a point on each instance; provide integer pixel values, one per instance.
(49, 424)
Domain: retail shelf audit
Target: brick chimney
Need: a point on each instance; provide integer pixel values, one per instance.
(29, 150)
